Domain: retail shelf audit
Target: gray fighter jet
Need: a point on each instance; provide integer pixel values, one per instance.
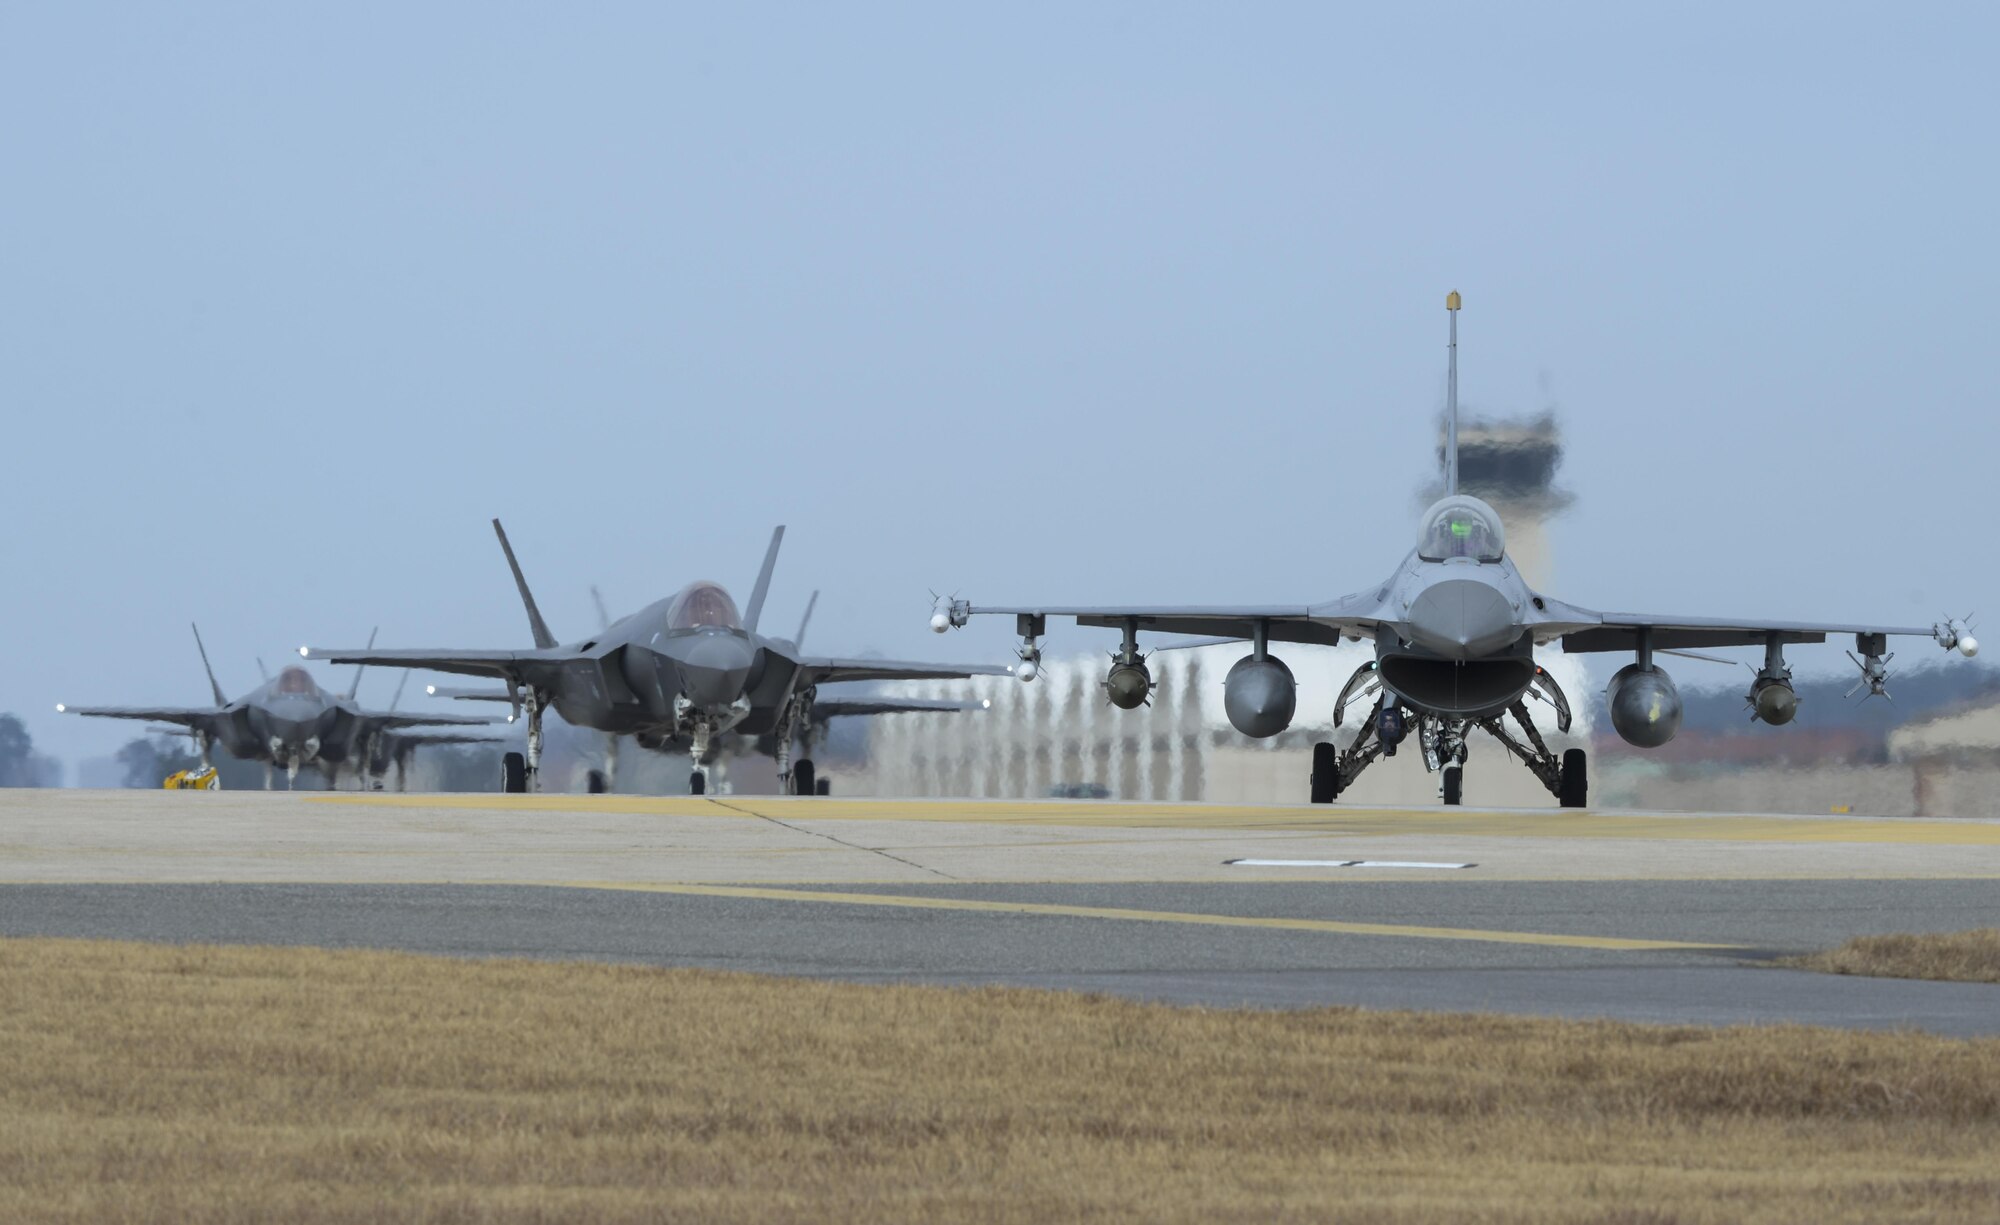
(1455, 629)
(288, 721)
(807, 733)
(684, 670)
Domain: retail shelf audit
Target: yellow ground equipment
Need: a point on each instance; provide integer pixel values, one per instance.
(203, 778)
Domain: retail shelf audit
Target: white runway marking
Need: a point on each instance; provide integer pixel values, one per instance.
(1341, 863)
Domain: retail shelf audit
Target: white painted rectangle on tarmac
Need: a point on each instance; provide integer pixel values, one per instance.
(1341, 863)
(1401, 863)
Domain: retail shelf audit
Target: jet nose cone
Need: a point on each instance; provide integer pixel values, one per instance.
(713, 668)
(1463, 618)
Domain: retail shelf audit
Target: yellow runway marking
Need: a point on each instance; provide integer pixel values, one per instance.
(1331, 820)
(1330, 926)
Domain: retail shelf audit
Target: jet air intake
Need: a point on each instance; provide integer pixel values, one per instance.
(1645, 706)
(1259, 696)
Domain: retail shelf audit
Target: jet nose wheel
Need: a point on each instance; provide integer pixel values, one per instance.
(596, 783)
(513, 773)
(804, 781)
(1454, 786)
(697, 783)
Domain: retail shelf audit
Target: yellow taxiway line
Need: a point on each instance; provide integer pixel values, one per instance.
(1329, 926)
(1371, 822)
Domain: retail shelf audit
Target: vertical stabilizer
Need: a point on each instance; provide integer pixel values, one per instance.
(537, 626)
(399, 690)
(806, 620)
(763, 587)
(1451, 401)
(212, 686)
(355, 688)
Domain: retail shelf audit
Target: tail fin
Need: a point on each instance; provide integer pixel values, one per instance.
(539, 627)
(399, 690)
(806, 620)
(763, 587)
(262, 670)
(1451, 402)
(212, 686)
(603, 613)
(355, 688)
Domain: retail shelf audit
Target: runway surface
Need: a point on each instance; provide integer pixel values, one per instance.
(1636, 916)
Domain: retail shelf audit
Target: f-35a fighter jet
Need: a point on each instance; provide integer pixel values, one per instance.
(1455, 629)
(287, 721)
(681, 671)
(806, 732)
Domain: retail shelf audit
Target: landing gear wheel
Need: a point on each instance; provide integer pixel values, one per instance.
(823, 787)
(1325, 773)
(1575, 789)
(802, 776)
(1454, 786)
(697, 783)
(513, 773)
(596, 783)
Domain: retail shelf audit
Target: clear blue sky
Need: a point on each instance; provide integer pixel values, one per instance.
(1084, 302)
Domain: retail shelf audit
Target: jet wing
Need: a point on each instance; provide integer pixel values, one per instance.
(1619, 631)
(832, 708)
(1324, 624)
(821, 670)
(421, 739)
(465, 663)
(469, 695)
(180, 716)
(388, 719)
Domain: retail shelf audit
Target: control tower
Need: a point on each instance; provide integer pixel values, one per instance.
(1511, 463)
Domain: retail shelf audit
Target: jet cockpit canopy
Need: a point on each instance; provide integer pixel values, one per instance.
(1461, 526)
(295, 681)
(703, 605)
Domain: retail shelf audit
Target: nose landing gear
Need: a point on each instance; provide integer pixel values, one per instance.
(1443, 742)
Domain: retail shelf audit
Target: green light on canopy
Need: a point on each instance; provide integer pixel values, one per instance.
(1461, 528)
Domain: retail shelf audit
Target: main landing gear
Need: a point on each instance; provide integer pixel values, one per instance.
(520, 772)
(797, 777)
(1443, 742)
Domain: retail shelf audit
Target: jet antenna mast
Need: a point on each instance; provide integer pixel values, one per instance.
(1451, 401)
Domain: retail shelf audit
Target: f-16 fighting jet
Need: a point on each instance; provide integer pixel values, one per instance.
(1455, 629)
(684, 670)
(288, 721)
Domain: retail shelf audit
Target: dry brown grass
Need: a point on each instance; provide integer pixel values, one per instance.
(144, 1083)
(1962, 957)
